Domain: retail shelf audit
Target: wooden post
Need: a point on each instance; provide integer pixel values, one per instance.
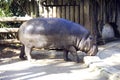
(86, 14)
(81, 12)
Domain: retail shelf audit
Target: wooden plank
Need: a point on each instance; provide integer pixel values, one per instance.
(9, 41)
(86, 14)
(67, 12)
(8, 19)
(77, 14)
(54, 12)
(81, 12)
(7, 30)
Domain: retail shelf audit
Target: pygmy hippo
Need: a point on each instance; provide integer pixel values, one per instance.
(56, 33)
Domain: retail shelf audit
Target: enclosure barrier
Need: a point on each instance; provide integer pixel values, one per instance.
(14, 19)
(7, 31)
(12, 32)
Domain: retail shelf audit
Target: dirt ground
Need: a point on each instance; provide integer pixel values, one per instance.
(9, 53)
(47, 67)
(50, 66)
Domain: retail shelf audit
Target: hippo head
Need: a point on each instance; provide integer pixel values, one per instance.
(93, 49)
(89, 46)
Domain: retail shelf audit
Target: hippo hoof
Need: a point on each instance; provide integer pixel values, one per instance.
(22, 58)
(67, 59)
(77, 60)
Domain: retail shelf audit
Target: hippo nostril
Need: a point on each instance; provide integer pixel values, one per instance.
(90, 37)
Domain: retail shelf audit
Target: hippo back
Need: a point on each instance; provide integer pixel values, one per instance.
(49, 26)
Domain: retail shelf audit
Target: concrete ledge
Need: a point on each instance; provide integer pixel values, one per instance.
(95, 63)
(91, 59)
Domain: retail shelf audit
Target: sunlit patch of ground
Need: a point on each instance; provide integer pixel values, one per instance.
(49, 65)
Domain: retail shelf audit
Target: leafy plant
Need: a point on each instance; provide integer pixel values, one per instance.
(5, 8)
(5, 11)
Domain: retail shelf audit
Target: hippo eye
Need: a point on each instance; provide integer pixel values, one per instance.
(90, 37)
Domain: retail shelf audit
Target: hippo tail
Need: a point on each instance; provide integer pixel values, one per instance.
(18, 33)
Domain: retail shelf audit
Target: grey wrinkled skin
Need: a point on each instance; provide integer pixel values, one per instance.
(55, 33)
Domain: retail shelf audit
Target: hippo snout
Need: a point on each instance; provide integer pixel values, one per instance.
(90, 47)
(93, 50)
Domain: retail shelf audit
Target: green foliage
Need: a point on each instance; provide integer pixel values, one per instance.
(2, 25)
(5, 8)
(5, 11)
(8, 8)
(17, 7)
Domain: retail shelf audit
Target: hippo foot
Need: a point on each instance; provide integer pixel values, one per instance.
(22, 58)
(67, 59)
(77, 60)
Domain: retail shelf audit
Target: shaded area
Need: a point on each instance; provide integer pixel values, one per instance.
(9, 53)
(32, 71)
(53, 68)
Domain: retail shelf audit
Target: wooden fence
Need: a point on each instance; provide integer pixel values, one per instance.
(92, 14)
(9, 35)
(14, 19)
(74, 10)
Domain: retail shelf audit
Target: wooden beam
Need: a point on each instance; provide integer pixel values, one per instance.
(9, 41)
(14, 19)
(7, 30)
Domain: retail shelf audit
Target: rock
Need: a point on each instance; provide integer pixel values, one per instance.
(115, 76)
(107, 32)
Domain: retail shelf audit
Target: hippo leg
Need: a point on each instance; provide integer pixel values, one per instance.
(65, 55)
(22, 53)
(73, 51)
(28, 53)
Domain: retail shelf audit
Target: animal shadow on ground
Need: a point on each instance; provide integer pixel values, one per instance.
(10, 54)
